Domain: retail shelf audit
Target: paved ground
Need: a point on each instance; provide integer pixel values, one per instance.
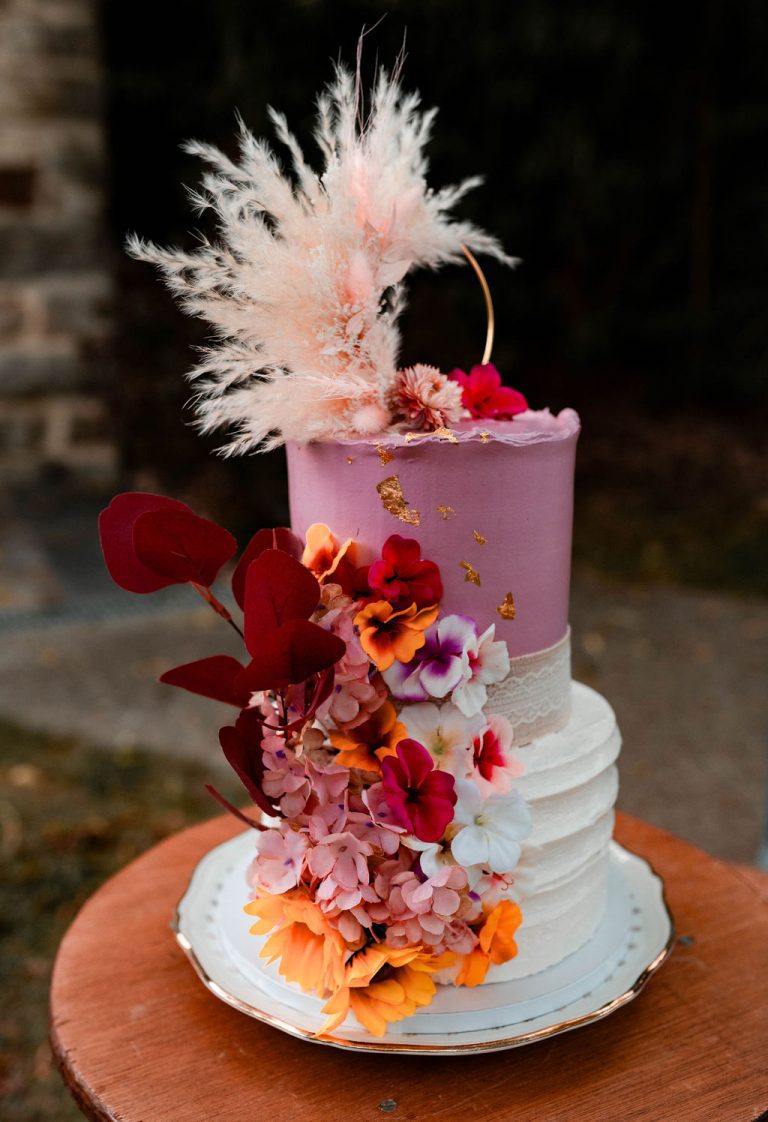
(685, 672)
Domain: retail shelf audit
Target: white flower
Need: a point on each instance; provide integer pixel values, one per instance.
(445, 732)
(488, 663)
(492, 830)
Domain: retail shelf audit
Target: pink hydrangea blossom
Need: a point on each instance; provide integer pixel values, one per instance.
(423, 909)
(279, 860)
(357, 691)
(362, 825)
(340, 862)
(285, 780)
(329, 782)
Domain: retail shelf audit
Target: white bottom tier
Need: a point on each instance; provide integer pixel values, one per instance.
(570, 783)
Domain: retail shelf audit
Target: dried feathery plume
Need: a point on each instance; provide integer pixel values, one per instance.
(304, 286)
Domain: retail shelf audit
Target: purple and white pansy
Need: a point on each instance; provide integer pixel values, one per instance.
(455, 662)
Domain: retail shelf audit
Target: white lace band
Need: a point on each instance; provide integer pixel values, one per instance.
(536, 695)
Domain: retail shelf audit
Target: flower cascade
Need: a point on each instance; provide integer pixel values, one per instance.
(390, 829)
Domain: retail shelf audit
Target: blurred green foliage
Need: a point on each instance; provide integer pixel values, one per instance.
(70, 816)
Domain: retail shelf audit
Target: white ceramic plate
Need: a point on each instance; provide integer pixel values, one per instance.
(633, 939)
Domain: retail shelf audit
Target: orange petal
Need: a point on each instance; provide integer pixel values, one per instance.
(337, 1008)
(474, 969)
(405, 643)
(424, 618)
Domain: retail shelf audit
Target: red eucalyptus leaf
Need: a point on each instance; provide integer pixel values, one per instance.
(213, 677)
(241, 744)
(277, 589)
(116, 535)
(290, 654)
(181, 546)
(279, 538)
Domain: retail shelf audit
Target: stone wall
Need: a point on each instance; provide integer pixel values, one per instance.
(54, 258)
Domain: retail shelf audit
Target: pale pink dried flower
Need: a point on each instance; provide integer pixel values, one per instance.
(426, 399)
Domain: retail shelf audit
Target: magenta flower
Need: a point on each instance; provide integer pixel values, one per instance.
(484, 396)
(419, 798)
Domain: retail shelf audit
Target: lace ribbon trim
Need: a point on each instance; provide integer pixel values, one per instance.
(535, 697)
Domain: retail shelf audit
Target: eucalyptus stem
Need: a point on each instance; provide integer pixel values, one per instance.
(217, 606)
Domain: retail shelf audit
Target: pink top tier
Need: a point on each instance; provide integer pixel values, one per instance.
(509, 482)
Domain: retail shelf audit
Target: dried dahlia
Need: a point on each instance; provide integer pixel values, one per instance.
(426, 398)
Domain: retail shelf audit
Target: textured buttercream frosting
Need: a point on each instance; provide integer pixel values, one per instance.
(570, 782)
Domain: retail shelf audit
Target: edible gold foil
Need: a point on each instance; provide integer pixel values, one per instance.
(442, 433)
(385, 455)
(506, 608)
(393, 500)
(472, 576)
(350, 459)
(485, 437)
(447, 512)
(479, 538)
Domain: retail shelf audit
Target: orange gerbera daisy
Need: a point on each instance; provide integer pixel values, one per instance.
(323, 554)
(365, 745)
(383, 984)
(497, 943)
(311, 952)
(387, 635)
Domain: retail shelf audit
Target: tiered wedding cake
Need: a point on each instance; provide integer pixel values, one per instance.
(436, 795)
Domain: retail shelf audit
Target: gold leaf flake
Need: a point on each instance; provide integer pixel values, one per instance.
(446, 511)
(506, 608)
(485, 437)
(472, 575)
(442, 433)
(350, 459)
(479, 538)
(385, 455)
(393, 500)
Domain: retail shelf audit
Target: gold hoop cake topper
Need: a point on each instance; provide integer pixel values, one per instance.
(491, 319)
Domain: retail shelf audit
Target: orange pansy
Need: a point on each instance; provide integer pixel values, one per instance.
(311, 952)
(387, 635)
(323, 554)
(383, 984)
(366, 744)
(497, 944)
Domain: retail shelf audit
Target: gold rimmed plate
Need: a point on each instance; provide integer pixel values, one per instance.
(633, 939)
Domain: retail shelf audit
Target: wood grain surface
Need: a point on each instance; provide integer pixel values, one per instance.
(139, 1039)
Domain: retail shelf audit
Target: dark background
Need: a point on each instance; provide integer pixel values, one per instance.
(624, 147)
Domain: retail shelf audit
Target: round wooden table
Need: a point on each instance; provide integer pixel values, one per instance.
(139, 1039)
